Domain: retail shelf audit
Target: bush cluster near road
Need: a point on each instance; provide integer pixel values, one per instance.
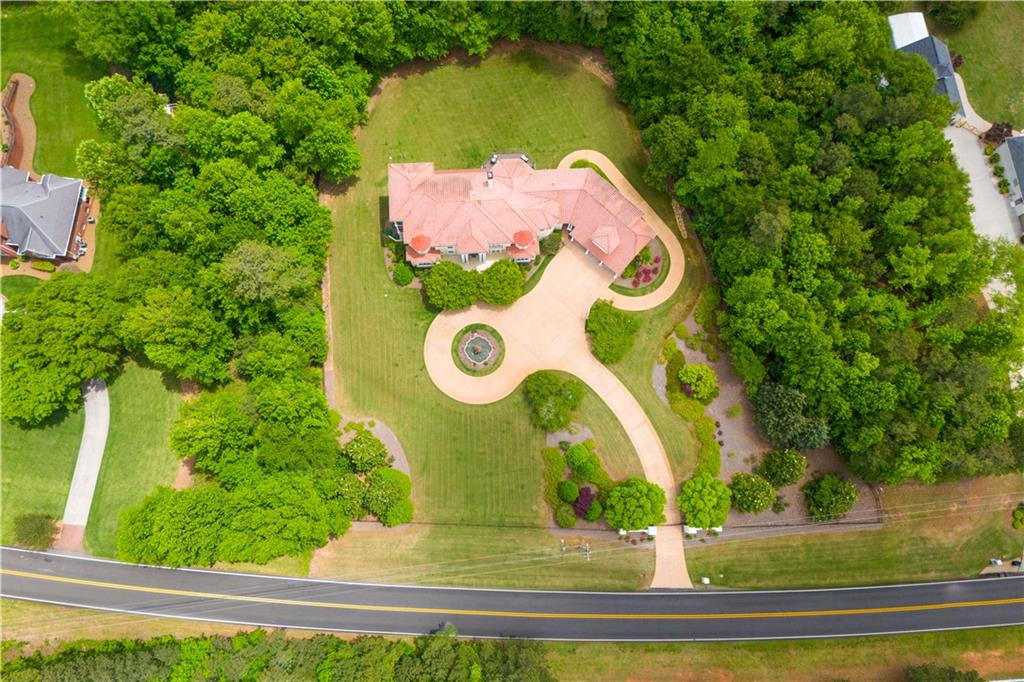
(751, 494)
(449, 286)
(704, 501)
(611, 331)
(261, 656)
(782, 467)
(590, 493)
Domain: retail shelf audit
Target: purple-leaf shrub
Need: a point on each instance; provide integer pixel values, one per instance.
(583, 502)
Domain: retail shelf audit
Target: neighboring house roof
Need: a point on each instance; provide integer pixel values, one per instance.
(936, 53)
(1015, 145)
(907, 28)
(38, 217)
(471, 211)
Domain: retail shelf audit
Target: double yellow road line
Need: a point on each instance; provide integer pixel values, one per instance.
(274, 601)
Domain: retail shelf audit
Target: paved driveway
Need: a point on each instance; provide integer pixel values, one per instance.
(545, 330)
(991, 213)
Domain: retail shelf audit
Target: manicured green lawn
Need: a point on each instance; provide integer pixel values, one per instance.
(36, 466)
(932, 533)
(474, 464)
(137, 457)
(993, 68)
(37, 42)
(488, 556)
(15, 285)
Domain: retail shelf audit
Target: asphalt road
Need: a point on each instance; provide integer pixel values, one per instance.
(360, 607)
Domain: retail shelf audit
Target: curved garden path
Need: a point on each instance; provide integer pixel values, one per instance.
(23, 150)
(677, 260)
(545, 330)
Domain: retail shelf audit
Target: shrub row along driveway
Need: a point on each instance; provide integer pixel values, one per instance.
(545, 330)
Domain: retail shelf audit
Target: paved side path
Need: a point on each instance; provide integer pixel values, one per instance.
(545, 330)
(87, 468)
(677, 259)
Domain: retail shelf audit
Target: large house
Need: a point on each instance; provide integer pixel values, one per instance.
(910, 34)
(40, 219)
(505, 208)
(1011, 157)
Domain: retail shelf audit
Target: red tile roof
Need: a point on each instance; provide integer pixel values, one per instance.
(465, 209)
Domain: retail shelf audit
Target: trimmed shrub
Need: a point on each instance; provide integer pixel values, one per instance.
(595, 511)
(565, 516)
(387, 488)
(582, 461)
(994, 158)
(828, 497)
(403, 274)
(1018, 516)
(449, 287)
(705, 501)
(635, 504)
(552, 399)
(34, 531)
(502, 283)
(43, 266)
(15, 264)
(568, 491)
(551, 244)
(782, 467)
(584, 499)
(611, 331)
(698, 381)
(366, 452)
(554, 468)
(999, 171)
(751, 494)
(779, 415)
(400, 513)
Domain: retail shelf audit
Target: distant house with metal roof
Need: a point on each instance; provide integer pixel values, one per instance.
(504, 209)
(910, 34)
(1011, 157)
(38, 218)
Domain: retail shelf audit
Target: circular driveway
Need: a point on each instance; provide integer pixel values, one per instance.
(545, 330)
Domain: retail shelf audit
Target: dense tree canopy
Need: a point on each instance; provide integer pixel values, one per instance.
(60, 334)
(266, 657)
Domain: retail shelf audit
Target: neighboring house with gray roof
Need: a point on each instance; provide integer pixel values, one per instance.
(909, 34)
(1011, 157)
(38, 218)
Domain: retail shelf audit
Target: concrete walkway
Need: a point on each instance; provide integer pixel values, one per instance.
(677, 260)
(545, 330)
(87, 468)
